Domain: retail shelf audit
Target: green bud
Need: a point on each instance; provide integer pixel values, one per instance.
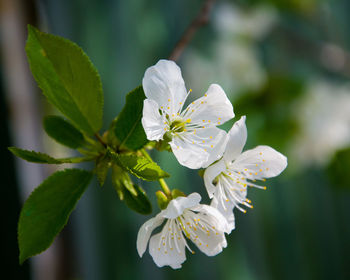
(162, 200)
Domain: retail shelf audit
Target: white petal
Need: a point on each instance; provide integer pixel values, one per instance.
(177, 206)
(213, 108)
(219, 203)
(199, 148)
(261, 162)
(216, 218)
(188, 155)
(152, 120)
(164, 84)
(234, 189)
(165, 251)
(206, 232)
(216, 145)
(237, 138)
(211, 173)
(145, 233)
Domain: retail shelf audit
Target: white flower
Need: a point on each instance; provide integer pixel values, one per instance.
(227, 180)
(324, 118)
(195, 140)
(202, 224)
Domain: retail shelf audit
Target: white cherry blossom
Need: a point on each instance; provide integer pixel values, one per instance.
(227, 180)
(195, 140)
(184, 217)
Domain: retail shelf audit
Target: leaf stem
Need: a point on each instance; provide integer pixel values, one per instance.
(145, 154)
(161, 181)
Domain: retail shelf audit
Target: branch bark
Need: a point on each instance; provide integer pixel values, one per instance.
(200, 20)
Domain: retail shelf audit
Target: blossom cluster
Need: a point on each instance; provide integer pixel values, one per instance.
(197, 142)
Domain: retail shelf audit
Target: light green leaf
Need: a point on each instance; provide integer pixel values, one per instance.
(140, 167)
(128, 127)
(63, 132)
(47, 210)
(67, 78)
(103, 164)
(37, 157)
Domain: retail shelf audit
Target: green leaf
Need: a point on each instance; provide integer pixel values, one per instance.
(140, 167)
(63, 132)
(120, 180)
(103, 164)
(128, 127)
(37, 157)
(133, 195)
(139, 202)
(47, 210)
(67, 78)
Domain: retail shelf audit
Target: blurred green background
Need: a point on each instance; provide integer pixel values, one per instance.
(283, 64)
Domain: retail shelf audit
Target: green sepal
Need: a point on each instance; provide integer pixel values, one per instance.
(63, 132)
(46, 211)
(162, 145)
(201, 172)
(38, 157)
(176, 193)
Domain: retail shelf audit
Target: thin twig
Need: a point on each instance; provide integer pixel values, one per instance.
(201, 19)
(100, 140)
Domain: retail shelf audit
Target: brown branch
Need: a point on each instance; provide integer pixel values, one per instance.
(100, 140)
(201, 19)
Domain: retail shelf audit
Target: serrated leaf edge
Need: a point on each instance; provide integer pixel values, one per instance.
(88, 179)
(90, 65)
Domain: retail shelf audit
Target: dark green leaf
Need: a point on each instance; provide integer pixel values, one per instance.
(37, 157)
(47, 210)
(63, 132)
(140, 167)
(140, 202)
(133, 195)
(67, 78)
(128, 127)
(121, 180)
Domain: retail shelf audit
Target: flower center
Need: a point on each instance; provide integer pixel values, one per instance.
(177, 126)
